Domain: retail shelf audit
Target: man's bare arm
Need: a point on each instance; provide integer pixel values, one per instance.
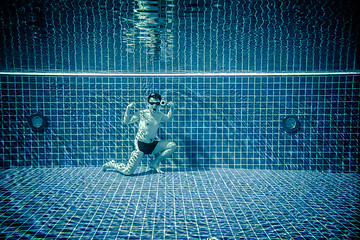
(170, 114)
(128, 118)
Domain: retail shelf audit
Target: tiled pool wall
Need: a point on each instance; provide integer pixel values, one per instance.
(219, 122)
(179, 36)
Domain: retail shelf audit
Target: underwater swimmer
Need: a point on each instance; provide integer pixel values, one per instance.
(145, 141)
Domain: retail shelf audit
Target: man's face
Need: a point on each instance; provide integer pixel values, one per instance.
(154, 105)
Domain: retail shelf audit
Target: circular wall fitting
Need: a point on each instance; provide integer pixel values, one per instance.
(37, 122)
(291, 124)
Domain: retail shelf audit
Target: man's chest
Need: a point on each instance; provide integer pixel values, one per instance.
(149, 119)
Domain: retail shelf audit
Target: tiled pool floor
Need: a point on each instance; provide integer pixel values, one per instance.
(88, 203)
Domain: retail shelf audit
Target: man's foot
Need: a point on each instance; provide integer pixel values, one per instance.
(158, 170)
(155, 168)
(108, 165)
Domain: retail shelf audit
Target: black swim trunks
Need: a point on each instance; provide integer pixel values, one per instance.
(147, 148)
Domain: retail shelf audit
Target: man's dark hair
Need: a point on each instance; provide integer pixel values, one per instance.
(154, 95)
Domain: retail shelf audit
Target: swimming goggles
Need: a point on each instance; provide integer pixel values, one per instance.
(152, 103)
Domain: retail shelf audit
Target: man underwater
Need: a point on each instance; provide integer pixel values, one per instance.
(145, 143)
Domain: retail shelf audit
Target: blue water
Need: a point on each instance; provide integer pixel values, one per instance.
(237, 174)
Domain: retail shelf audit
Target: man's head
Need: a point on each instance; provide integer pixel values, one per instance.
(155, 96)
(154, 100)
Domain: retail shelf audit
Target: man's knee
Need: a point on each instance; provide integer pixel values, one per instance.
(172, 146)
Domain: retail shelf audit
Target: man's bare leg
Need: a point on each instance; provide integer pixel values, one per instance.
(126, 169)
(165, 149)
